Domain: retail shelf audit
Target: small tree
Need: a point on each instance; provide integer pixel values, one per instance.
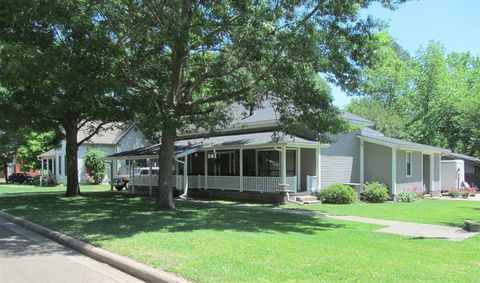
(95, 165)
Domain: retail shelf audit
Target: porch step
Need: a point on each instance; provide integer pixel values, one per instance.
(301, 194)
(307, 199)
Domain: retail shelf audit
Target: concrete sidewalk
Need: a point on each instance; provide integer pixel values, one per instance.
(410, 229)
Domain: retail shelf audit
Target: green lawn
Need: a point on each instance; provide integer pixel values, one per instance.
(218, 243)
(442, 212)
(20, 188)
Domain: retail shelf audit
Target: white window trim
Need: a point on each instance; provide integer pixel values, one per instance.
(406, 163)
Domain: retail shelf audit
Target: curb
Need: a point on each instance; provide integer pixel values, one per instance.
(125, 264)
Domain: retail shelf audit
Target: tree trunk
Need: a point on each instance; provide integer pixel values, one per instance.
(165, 196)
(73, 188)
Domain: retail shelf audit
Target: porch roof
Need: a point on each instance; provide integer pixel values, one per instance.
(46, 154)
(373, 136)
(187, 146)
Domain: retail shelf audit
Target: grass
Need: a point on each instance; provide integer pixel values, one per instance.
(219, 243)
(21, 188)
(441, 212)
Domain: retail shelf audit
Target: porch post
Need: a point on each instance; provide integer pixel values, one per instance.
(297, 172)
(241, 169)
(176, 174)
(150, 178)
(318, 163)
(206, 168)
(432, 166)
(362, 165)
(185, 175)
(41, 172)
(48, 168)
(133, 176)
(283, 165)
(394, 172)
(111, 175)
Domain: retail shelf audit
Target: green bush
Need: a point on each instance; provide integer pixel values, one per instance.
(337, 194)
(407, 196)
(95, 166)
(454, 193)
(376, 192)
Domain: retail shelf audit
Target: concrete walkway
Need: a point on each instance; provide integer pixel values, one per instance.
(28, 257)
(410, 229)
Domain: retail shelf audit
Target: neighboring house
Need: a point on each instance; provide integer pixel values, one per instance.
(251, 159)
(120, 138)
(470, 170)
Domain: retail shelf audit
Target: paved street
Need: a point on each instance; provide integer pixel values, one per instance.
(28, 257)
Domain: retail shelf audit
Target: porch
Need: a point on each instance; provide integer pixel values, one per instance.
(230, 163)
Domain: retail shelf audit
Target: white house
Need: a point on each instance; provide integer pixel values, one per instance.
(120, 138)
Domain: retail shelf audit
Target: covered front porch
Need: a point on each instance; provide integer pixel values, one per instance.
(241, 163)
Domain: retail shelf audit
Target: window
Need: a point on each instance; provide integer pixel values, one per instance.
(408, 158)
(291, 162)
(268, 163)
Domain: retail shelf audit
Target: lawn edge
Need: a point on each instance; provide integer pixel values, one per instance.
(125, 264)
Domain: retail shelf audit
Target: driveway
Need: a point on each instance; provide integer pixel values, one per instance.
(28, 257)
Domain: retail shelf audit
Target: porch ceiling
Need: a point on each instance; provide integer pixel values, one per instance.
(183, 147)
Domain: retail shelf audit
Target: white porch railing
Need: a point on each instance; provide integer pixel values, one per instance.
(312, 183)
(254, 184)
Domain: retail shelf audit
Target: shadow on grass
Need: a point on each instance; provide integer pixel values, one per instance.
(103, 216)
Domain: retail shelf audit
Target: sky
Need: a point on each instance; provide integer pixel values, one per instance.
(453, 23)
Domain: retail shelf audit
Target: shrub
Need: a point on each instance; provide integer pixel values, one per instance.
(407, 196)
(337, 194)
(454, 193)
(376, 192)
(95, 165)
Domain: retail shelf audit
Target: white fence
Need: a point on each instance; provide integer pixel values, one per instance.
(254, 184)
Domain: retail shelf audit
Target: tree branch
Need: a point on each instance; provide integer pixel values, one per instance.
(89, 136)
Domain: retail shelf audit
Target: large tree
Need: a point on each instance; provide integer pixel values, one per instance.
(58, 67)
(428, 98)
(186, 62)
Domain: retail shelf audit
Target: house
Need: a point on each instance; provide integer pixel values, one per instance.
(469, 170)
(115, 139)
(252, 159)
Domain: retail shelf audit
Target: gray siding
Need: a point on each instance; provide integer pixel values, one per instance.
(340, 162)
(378, 163)
(405, 183)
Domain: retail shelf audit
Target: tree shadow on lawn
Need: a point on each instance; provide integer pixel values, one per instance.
(103, 216)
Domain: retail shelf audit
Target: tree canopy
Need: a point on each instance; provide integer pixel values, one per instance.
(428, 98)
(187, 62)
(58, 70)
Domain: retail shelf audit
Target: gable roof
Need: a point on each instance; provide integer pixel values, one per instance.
(373, 136)
(107, 136)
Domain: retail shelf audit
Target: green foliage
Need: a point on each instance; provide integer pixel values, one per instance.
(95, 165)
(430, 98)
(337, 194)
(376, 192)
(35, 143)
(407, 196)
(454, 193)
